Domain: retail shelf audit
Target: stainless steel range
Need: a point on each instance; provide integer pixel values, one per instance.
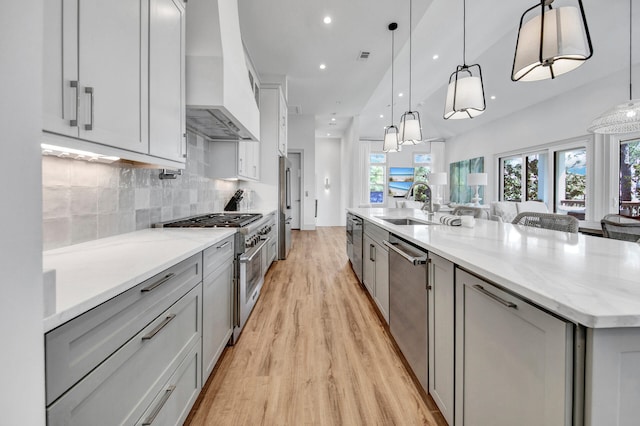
(251, 256)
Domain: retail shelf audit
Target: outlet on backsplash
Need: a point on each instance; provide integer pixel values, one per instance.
(84, 201)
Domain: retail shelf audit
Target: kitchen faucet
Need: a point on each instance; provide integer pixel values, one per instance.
(428, 200)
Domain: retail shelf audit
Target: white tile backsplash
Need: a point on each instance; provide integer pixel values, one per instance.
(83, 201)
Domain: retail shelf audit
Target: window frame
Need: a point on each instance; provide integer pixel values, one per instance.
(550, 149)
(385, 167)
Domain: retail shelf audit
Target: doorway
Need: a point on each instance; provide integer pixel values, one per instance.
(296, 188)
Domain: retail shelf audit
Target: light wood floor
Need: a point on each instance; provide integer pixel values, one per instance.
(314, 352)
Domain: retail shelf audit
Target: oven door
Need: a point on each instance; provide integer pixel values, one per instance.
(251, 280)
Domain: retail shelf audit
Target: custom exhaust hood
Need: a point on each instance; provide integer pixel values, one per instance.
(219, 95)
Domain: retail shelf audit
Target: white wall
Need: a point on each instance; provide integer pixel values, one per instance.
(301, 138)
(561, 118)
(330, 208)
(21, 308)
(351, 169)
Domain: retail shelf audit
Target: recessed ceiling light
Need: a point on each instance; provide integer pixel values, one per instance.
(322, 66)
(401, 94)
(328, 134)
(327, 19)
(333, 119)
(435, 57)
(493, 97)
(381, 115)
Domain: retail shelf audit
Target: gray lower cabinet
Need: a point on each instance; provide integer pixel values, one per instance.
(217, 299)
(441, 314)
(77, 347)
(375, 274)
(513, 361)
(122, 388)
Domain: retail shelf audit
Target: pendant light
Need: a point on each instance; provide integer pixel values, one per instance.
(552, 42)
(465, 93)
(625, 117)
(410, 128)
(391, 142)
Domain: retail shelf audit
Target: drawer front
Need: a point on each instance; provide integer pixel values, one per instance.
(121, 389)
(172, 405)
(80, 345)
(377, 234)
(217, 254)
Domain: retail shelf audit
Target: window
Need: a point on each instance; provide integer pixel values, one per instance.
(530, 186)
(571, 181)
(536, 173)
(629, 178)
(511, 178)
(377, 172)
(422, 166)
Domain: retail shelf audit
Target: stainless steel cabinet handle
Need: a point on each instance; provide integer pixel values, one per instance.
(223, 245)
(158, 283)
(160, 326)
(156, 411)
(415, 260)
(429, 272)
(89, 90)
(74, 84)
(372, 252)
(494, 297)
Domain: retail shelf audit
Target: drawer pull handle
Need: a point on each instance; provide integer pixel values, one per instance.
(494, 297)
(160, 326)
(224, 245)
(156, 411)
(158, 283)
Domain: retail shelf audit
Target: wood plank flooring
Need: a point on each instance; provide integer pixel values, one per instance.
(313, 352)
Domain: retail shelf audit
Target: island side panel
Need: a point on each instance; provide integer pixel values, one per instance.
(612, 376)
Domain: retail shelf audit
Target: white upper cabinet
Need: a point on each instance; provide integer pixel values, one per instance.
(108, 66)
(167, 134)
(273, 117)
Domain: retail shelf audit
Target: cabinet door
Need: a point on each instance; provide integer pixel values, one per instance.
(513, 361)
(216, 316)
(60, 67)
(167, 135)
(242, 158)
(113, 92)
(369, 263)
(441, 334)
(382, 280)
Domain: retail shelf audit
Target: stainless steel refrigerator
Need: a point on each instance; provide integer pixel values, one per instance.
(284, 208)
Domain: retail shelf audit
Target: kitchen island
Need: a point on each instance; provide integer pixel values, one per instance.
(589, 286)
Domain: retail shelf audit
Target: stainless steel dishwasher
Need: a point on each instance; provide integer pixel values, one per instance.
(408, 303)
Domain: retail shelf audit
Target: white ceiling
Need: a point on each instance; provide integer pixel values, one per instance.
(288, 37)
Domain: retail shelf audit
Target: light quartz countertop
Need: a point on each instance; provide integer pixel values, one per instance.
(589, 280)
(91, 273)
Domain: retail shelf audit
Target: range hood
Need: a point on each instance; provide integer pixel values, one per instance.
(219, 95)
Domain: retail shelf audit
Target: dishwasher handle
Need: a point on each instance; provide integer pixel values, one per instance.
(420, 260)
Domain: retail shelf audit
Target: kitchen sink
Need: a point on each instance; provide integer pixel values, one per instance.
(406, 221)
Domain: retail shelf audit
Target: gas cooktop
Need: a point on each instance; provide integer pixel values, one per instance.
(214, 220)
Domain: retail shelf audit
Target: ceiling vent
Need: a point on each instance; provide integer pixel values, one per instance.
(363, 55)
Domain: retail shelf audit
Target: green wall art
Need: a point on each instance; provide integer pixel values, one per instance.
(458, 171)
